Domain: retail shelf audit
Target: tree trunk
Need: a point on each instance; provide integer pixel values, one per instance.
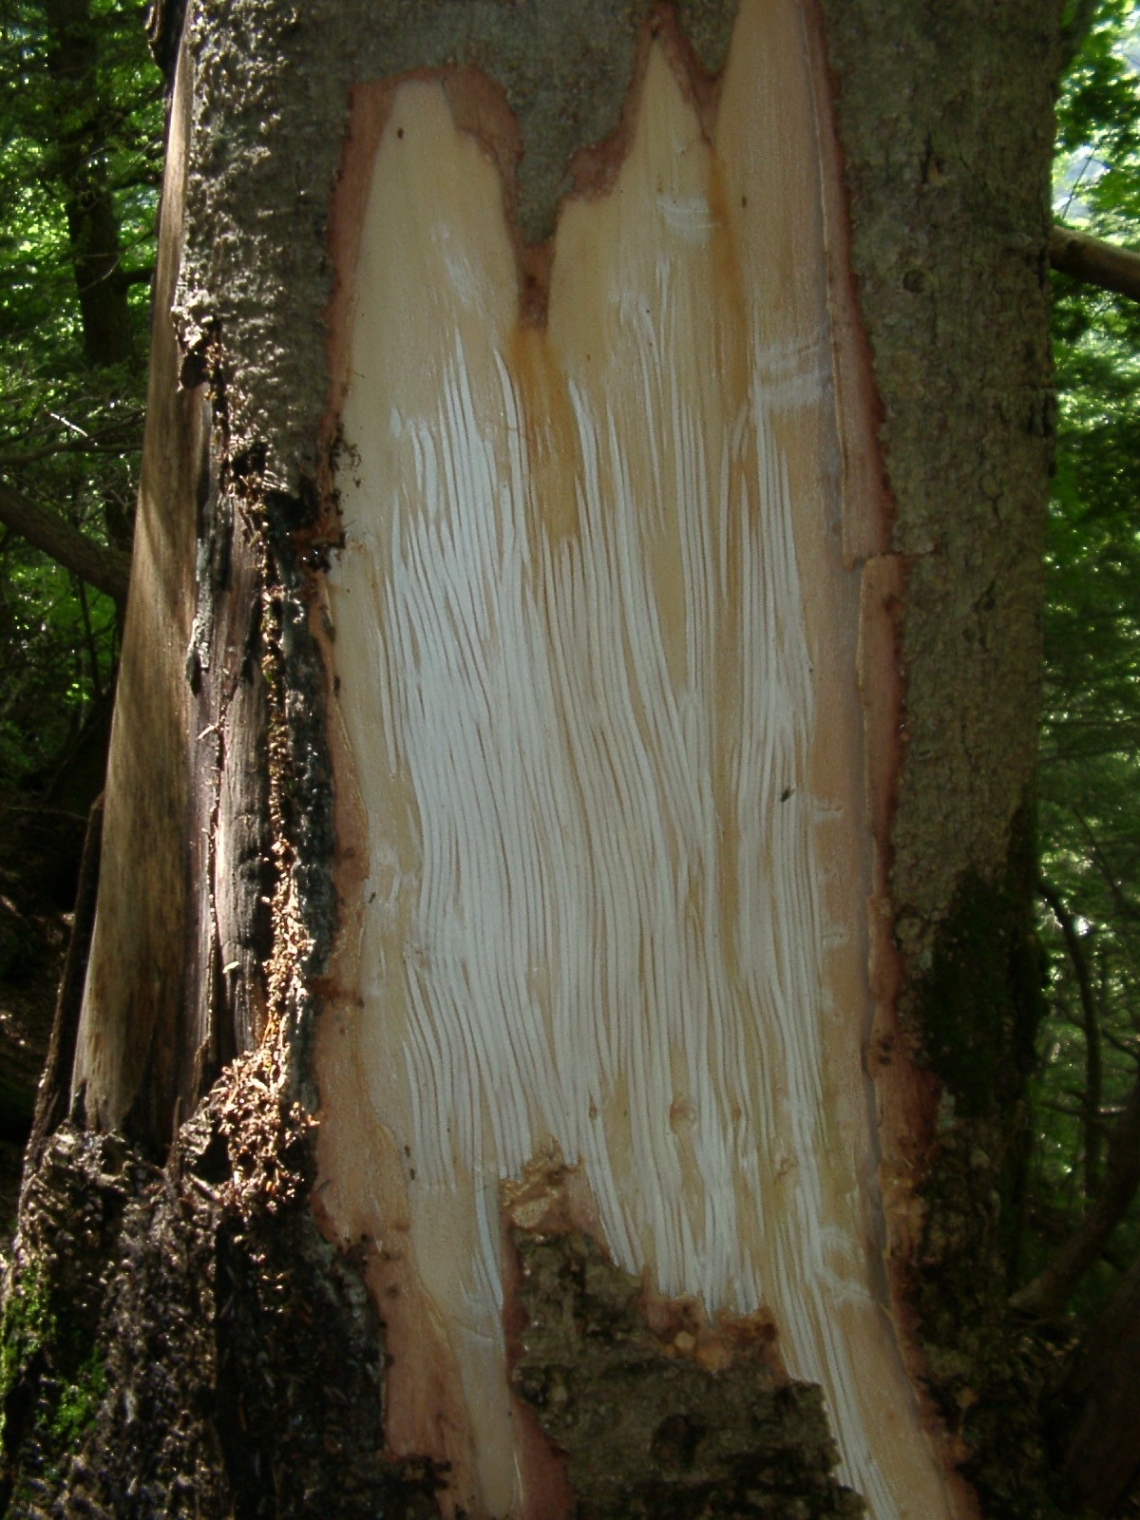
(565, 904)
(79, 159)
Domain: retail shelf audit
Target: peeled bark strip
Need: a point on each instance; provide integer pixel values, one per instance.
(596, 640)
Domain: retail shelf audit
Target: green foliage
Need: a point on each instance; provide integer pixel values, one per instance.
(1089, 806)
(58, 642)
(112, 117)
(81, 121)
(79, 1402)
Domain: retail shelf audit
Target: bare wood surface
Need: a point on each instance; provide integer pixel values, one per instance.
(176, 981)
(595, 650)
(129, 1056)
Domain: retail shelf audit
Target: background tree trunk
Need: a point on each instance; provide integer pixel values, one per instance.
(218, 909)
(80, 144)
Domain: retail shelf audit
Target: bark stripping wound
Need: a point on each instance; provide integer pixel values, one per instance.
(175, 984)
(608, 861)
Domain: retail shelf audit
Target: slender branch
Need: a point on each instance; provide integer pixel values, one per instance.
(106, 569)
(1126, 909)
(1123, 1046)
(1046, 1296)
(87, 443)
(1094, 1078)
(1096, 262)
(1068, 1109)
(72, 446)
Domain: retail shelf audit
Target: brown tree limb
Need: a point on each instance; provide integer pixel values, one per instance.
(1048, 1293)
(1095, 261)
(106, 569)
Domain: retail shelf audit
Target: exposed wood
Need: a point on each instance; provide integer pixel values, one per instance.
(132, 1018)
(175, 982)
(101, 566)
(595, 646)
(1095, 261)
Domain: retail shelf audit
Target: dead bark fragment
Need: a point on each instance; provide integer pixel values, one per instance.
(646, 1429)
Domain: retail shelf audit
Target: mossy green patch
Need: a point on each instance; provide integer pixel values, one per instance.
(26, 1325)
(52, 1383)
(79, 1402)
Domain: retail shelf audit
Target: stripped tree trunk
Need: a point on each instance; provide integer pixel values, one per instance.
(576, 716)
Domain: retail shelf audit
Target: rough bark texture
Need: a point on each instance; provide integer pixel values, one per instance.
(947, 138)
(157, 1311)
(182, 1342)
(646, 1434)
